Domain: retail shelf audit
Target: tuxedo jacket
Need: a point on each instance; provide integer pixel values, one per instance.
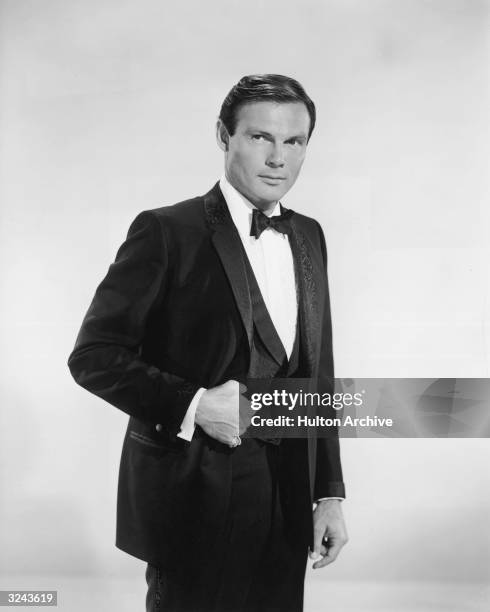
(174, 314)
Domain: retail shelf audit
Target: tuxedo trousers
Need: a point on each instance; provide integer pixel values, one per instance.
(253, 566)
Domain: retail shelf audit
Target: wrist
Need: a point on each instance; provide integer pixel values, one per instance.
(329, 502)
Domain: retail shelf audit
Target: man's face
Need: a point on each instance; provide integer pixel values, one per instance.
(266, 152)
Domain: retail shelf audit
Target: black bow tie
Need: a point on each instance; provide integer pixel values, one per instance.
(260, 222)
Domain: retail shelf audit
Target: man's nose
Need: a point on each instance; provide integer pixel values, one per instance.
(276, 157)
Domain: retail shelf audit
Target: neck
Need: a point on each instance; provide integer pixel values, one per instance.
(265, 207)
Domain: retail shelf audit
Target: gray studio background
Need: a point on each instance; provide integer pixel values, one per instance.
(108, 108)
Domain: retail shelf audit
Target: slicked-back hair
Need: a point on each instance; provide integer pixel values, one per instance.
(264, 88)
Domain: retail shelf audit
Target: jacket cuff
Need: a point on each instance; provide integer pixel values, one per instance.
(331, 489)
(188, 425)
(178, 406)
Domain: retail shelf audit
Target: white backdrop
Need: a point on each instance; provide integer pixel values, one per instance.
(108, 108)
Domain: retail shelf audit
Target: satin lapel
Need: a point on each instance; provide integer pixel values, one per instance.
(227, 243)
(309, 325)
(307, 296)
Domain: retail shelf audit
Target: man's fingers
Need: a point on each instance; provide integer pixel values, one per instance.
(222, 432)
(317, 555)
(318, 535)
(330, 556)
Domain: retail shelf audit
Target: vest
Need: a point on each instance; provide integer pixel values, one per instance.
(268, 357)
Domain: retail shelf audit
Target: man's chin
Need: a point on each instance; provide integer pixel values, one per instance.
(269, 194)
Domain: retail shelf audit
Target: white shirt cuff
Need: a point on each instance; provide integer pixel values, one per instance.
(188, 425)
(324, 498)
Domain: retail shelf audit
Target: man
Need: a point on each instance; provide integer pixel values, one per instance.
(202, 296)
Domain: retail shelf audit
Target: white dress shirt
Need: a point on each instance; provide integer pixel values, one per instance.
(272, 263)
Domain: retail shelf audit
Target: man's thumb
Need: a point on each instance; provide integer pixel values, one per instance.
(315, 553)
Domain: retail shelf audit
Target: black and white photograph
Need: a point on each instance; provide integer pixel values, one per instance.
(245, 280)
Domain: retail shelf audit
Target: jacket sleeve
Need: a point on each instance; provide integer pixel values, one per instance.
(328, 479)
(107, 359)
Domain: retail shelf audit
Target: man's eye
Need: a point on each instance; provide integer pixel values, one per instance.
(258, 137)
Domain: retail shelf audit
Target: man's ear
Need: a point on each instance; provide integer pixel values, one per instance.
(222, 136)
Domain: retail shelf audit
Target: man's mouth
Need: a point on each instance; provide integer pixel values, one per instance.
(275, 180)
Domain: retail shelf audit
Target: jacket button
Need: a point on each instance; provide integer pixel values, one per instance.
(158, 427)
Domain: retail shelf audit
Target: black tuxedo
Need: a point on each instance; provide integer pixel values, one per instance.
(175, 313)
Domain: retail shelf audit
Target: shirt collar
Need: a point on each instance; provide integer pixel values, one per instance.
(240, 208)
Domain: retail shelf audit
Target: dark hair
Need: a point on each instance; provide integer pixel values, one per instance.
(264, 88)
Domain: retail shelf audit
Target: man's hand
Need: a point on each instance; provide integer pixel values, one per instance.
(217, 412)
(328, 524)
